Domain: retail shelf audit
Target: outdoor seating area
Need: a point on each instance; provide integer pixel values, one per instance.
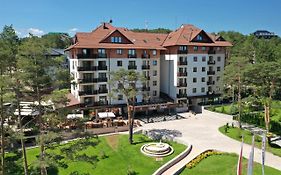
(105, 123)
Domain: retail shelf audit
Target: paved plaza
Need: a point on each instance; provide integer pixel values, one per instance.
(202, 132)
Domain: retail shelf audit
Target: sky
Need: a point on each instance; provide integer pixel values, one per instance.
(42, 16)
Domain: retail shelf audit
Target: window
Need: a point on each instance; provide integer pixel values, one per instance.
(183, 48)
(202, 89)
(119, 51)
(132, 52)
(199, 38)
(194, 69)
(195, 48)
(218, 78)
(218, 69)
(203, 69)
(120, 97)
(154, 83)
(203, 48)
(101, 51)
(218, 48)
(194, 80)
(154, 52)
(155, 73)
(219, 58)
(154, 93)
(119, 63)
(132, 63)
(154, 62)
(193, 90)
(195, 59)
(203, 79)
(84, 51)
(203, 59)
(115, 39)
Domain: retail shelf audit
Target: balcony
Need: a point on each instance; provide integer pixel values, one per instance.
(182, 85)
(101, 67)
(145, 56)
(181, 95)
(94, 104)
(87, 68)
(182, 52)
(211, 62)
(182, 74)
(210, 72)
(210, 82)
(147, 77)
(85, 56)
(132, 67)
(182, 63)
(211, 52)
(103, 91)
(88, 80)
(145, 88)
(84, 93)
(101, 55)
(132, 55)
(145, 66)
(101, 80)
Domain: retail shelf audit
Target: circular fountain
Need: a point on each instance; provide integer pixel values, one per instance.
(157, 149)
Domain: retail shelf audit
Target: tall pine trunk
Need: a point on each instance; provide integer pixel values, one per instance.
(130, 123)
(2, 131)
(23, 149)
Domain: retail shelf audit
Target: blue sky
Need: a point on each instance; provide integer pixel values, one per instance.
(43, 16)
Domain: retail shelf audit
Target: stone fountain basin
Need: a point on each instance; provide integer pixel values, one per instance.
(157, 149)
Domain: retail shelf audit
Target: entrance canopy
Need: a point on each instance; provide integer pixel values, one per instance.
(106, 115)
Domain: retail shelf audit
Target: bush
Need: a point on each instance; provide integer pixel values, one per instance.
(202, 156)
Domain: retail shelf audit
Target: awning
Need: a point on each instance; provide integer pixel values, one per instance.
(74, 116)
(106, 114)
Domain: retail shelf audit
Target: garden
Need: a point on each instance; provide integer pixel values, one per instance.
(96, 155)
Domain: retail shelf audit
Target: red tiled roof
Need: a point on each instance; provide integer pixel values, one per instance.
(72, 100)
(182, 36)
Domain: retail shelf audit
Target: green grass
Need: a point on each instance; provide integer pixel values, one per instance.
(234, 134)
(226, 109)
(225, 164)
(115, 157)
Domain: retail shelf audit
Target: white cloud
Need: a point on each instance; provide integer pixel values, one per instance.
(18, 33)
(73, 30)
(36, 32)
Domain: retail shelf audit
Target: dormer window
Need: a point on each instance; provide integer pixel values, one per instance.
(116, 39)
(199, 38)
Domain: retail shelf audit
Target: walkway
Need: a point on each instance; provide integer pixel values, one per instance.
(202, 132)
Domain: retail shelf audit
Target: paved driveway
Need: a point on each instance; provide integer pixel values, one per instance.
(202, 132)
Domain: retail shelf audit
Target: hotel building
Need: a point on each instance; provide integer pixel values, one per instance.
(184, 66)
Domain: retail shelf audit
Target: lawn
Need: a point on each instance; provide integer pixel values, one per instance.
(234, 134)
(225, 164)
(111, 155)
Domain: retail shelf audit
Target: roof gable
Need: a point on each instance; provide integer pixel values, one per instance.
(202, 37)
(116, 33)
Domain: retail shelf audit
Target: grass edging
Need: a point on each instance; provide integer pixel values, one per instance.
(174, 161)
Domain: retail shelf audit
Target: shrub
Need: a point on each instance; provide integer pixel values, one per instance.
(202, 156)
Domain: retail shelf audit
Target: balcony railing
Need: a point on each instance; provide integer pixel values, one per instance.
(101, 67)
(84, 93)
(181, 95)
(182, 85)
(145, 88)
(210, 82)
(145, 56)
(87, 68)
(87, 80)
(132, 55)
(181, 74)
(211, 52)
(182, 52)
(103, 91)
(145, 66)
(132, 67)
(81, 56)
(93, 104)
(147, 77)
(182, 63)
(101, 55)
(100, 80)
(210, 72)
(211, 62)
